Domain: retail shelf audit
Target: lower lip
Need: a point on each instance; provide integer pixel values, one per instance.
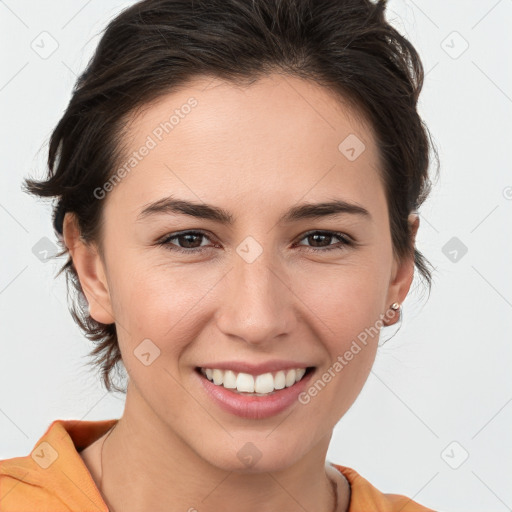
(254, 407)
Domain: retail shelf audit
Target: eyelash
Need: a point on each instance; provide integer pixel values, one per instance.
(345, 240)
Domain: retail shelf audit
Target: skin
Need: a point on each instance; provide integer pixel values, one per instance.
(255, 151)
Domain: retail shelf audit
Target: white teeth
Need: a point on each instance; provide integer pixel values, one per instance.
(264, 383)
(245, 382)
(260, 384)
(229, 379)
(280, 380)
(218, 377)
(290, 378)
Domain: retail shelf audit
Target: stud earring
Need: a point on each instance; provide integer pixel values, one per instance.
(395, 307)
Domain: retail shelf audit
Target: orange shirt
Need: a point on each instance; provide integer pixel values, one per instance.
(54, 478)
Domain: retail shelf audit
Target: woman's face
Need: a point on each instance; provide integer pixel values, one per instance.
(262, 284)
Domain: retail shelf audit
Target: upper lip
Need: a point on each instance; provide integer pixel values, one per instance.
(255, 369)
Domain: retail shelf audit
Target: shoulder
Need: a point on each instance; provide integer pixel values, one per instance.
(53, 477)
(364, 496)
(21, 490)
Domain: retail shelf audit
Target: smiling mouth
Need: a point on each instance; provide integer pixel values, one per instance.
(264, 384)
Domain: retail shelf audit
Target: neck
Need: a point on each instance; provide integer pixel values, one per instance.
(139, 474)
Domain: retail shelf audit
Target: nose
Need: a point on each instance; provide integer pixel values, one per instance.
(257, 304)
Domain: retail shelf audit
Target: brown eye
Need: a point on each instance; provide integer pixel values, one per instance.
(320, 241)
(188, 242)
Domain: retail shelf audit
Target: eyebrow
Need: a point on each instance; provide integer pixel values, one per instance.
(173, 206)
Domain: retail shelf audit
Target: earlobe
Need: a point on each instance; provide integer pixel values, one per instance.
(402, 278)
(89, 267)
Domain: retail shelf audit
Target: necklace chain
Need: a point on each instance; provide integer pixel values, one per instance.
(101, 466)
(333, 483)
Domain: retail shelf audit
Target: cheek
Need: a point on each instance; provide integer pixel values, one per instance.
(335, 387)
(159, 301)
(346, 299)
(348, 317)
(163, 301)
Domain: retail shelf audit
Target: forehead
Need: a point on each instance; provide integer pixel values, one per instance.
(281, 138)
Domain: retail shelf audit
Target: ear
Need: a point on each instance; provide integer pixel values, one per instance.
(402, 276)
(90, 270)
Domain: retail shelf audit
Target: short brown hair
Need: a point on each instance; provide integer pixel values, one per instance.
(156, 46)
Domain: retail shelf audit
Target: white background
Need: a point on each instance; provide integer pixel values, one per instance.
(444, 377)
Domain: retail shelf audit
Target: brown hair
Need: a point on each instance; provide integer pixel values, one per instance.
(156, 46)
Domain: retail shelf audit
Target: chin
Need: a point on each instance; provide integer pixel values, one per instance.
(252, 454)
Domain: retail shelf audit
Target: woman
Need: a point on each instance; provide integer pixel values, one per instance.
(238, 185)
